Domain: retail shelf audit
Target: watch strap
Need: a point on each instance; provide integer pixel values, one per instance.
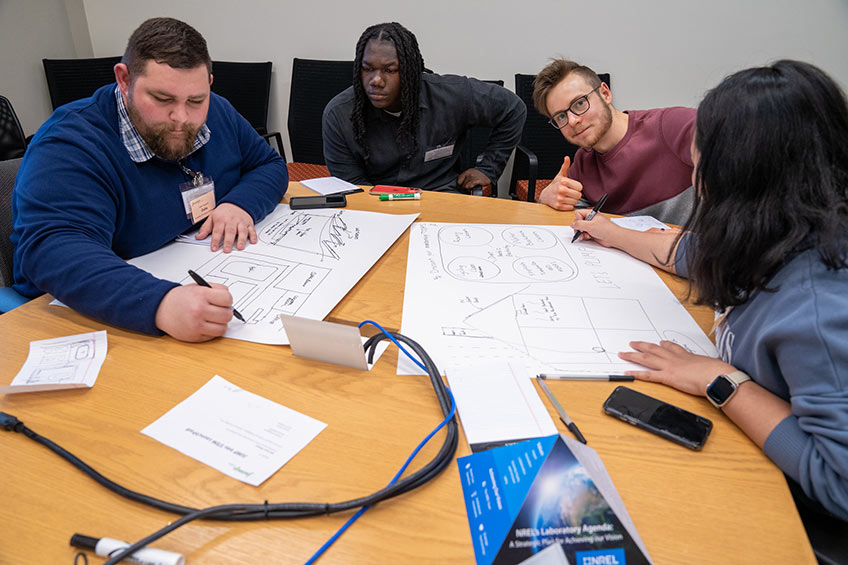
(738, 377)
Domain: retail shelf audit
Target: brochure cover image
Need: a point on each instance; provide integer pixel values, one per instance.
(524, 497)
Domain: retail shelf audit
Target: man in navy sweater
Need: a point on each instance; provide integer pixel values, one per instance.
(122, 173)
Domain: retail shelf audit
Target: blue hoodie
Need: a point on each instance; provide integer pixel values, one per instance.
(794, 343)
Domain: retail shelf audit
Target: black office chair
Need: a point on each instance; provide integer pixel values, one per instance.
(314, 83)
(12, 141)
(247, 86)
(9, 299)
(539, 155)
(72, 79)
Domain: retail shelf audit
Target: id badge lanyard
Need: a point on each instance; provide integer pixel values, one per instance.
(198, 195)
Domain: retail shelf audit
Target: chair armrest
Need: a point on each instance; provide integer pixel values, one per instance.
(279, 139)
(525, 155)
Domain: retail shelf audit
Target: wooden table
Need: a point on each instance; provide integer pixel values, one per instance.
(726, 504)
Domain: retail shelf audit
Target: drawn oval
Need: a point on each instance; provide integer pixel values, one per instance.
(466, 236)
(473, 269)
(529, 237)
(541, 268)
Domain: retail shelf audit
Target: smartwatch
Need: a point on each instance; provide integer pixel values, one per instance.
(723, 387)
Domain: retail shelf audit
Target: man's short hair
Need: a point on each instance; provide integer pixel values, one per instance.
(554, 73)
(165, 40)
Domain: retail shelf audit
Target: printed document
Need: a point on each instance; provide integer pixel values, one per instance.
(239, 433)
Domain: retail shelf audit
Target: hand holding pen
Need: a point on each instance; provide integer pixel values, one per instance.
(595, 209)
(199, 280)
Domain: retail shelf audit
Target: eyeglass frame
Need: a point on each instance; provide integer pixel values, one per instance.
(553, 122)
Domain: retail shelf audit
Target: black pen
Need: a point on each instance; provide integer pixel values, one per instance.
(351, 191)
(595, 209)
(569, 423)
(199, 280)
(567, 377)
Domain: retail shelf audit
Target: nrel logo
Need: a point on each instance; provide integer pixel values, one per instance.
(601, 557)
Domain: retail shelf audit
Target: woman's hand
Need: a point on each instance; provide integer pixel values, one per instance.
(672, 365)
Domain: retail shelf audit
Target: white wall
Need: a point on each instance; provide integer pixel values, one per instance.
(31, 30)
(659, 52)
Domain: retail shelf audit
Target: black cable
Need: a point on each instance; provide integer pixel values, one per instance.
(265, 511)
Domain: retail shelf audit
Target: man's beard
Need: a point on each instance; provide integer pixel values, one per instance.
(158, 139)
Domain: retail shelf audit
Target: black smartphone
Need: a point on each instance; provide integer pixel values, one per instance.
(328, 201)
(654, 415)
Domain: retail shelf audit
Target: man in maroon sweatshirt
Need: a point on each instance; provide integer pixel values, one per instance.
(640, 158)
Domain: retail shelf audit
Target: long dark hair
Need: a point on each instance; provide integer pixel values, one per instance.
(411, 65)
(772, 179)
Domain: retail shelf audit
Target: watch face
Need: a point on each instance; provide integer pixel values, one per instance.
(721, 389)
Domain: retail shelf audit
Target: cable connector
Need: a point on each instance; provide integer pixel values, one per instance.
(10, 423)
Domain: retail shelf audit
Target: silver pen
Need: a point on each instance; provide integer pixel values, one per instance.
(569, 423)
(567, 377)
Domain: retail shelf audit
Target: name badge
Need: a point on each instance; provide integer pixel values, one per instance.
(438, 153)
(198, 198)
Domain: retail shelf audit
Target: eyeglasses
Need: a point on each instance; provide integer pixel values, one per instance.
(578, 107)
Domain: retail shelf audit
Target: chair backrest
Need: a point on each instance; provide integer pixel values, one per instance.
(247, 86)
(72, 79)
(12, 140)
(8, 172)
(314, 83)
(546, 142)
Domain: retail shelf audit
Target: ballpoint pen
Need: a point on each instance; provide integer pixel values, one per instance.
(595, 209)
(566, 377)
(561, 411)
(199, 280)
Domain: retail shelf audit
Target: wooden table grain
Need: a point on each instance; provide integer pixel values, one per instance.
(725, 504)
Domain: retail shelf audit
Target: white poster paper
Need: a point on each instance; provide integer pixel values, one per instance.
(478, 292)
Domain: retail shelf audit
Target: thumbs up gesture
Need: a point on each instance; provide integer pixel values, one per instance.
(563, 193)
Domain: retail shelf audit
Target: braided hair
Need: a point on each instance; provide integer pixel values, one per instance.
(411, 65)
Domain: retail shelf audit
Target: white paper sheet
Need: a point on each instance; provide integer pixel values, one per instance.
(497, 404)
(639, 223)
(328, 185)
(239, 433)
(60, 363)
(304, 262)
(477, 293)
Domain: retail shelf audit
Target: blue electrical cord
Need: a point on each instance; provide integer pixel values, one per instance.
(409, 459)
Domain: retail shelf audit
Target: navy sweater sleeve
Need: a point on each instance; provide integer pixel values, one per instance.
(264, 176)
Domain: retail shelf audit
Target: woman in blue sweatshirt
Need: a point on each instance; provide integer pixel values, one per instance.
(767, 247)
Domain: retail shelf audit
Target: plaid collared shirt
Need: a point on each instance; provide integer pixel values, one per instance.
(135, 145)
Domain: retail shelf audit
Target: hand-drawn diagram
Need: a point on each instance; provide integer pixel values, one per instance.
(479, 293)
(518, 254)
(303, 264)
(263, 286)
(314, 233)
(63, 361)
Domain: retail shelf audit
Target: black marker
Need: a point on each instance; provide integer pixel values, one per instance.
(569, 423)
(595, 210)
(199, 280)
(351, 191)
